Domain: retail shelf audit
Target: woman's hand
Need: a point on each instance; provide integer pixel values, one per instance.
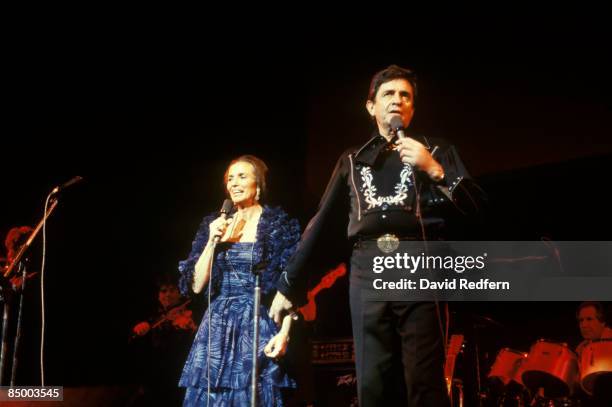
(217, 227)
(277, 347)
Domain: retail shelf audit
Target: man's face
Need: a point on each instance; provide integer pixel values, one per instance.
(590, 326)
(394, 98)
(169, 295)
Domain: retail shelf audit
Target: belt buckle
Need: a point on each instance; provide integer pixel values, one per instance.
(388, 243)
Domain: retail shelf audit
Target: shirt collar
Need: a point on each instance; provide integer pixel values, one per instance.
(368, 152)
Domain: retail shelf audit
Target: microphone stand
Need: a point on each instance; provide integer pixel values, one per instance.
(7, 299)
(7, 294)
(19, 319)
(226, 208)
(256, 301)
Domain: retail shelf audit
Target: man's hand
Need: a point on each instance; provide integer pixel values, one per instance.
(17, 282)
(414, 153)
(142, 328)
(280, 305)
(184, 321)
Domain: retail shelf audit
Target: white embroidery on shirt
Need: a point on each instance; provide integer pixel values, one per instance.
(401, 188)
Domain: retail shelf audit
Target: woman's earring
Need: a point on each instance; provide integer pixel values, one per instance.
(257, 194)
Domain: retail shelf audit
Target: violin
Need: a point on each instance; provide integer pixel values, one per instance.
(180, 317)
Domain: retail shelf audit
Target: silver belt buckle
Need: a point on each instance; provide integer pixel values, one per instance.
(388, 243)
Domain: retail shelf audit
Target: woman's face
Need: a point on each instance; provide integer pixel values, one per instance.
(242, 184)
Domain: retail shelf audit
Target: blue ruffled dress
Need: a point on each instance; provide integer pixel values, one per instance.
(231, 328)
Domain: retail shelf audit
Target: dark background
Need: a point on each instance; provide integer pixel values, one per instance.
(151, 118)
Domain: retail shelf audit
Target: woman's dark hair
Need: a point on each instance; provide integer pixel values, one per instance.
(166, 280)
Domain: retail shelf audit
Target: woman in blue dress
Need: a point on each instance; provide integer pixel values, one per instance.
(253, 238)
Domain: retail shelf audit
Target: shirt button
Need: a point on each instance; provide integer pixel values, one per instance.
(385, 207)
(384, 216)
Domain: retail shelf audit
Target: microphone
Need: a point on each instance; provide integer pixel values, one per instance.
(67, 184)
(226, 208)
(397, 126)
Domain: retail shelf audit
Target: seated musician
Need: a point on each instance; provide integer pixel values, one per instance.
(15, 238)
(166, 338)
(180, 319)
(592, 323)
(591, 317)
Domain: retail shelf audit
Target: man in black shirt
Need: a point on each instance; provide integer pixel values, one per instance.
(388, 190)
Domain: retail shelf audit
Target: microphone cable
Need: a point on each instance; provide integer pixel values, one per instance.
(42, 294)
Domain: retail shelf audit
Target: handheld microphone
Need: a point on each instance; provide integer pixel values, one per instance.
(67, 184)
(397, 126)
(226, 208)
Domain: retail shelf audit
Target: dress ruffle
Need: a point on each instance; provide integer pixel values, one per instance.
(276, 241)
(231, 337)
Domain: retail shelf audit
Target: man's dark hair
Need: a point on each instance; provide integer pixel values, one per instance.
(600, 312)
(166, 280)
(388, 74)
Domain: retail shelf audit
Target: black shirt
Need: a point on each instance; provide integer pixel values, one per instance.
(374, 193)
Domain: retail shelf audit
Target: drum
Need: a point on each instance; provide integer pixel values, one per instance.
(559, 402)
(507, 366)
(596, 365)
(551, 366)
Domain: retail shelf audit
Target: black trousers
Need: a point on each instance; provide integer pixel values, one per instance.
(399, 351)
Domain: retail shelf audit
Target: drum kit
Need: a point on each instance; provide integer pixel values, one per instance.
(551, 374)
(548, 374)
